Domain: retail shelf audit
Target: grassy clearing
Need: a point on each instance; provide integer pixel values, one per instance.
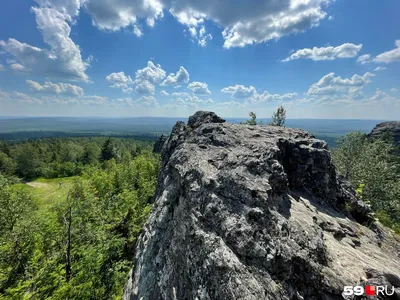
(46, 192)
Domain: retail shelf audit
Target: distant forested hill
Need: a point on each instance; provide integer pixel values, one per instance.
(148, 128)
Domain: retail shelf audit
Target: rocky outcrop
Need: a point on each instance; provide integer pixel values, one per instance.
(255, 212)
(391, 128)
(159, 144)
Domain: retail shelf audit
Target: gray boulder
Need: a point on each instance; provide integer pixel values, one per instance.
(254, 212)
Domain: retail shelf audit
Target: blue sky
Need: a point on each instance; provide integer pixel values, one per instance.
(319, 58)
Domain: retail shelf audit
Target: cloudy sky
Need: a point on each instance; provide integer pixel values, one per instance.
(319, 58)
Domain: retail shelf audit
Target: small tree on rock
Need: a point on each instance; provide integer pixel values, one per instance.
(279, 117)
(252, 121)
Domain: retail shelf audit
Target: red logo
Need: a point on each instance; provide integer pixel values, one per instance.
(370, 290)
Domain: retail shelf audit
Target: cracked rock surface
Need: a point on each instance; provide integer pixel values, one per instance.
(255, 212)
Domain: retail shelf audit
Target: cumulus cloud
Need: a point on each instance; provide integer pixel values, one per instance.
(251, 95)
(2, 68)
(63, 59)
(239, 91)
(364, 59)
(334, 85)
(120, 81)
(145, 87)
(55, 88)
(389, 56)
(394, 90)
(116, 14)
(199, 88)
(246, 24)
(346, 50)
(148, 77)
(180, 77)
(152, 73)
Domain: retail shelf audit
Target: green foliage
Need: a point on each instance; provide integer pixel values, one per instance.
(74, 241)
(7, 165)
(63, 157)
(372, 167)
(279, 117)
(110, 151)
(16, 234)
(253, 120)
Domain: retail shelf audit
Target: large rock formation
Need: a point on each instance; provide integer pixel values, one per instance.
(392, 128)
(255, 212)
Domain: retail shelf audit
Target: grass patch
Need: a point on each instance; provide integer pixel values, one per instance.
(46, 192)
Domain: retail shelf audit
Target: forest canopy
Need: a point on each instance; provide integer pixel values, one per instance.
(72, 238)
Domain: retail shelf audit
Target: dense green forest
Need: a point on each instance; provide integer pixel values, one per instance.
(72, 237)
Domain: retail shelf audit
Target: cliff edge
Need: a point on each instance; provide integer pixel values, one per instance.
(256, 212)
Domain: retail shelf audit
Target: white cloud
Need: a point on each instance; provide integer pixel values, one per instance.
(246, 24)
(329, 84)
(55, 88)
(199, 88)
(120, 81)
(137, 31)
(146, 101)
(89, 60)
(394, 90)
(182, 76)
(145, 87)
(239, 91)
(364, 59)
(346, 50)
(68, 7)
(180, 95)
(251, 95)
(200, 36)
(2, 68)
(152, 73)
(17, 67)
(19, 97)
(116, 14)
(63, 59)
(379, 95)
(379, 68)
(164, 93)
(232, 104)
(389, 56)
(119, 77)
(267, 97)
(148, 77)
